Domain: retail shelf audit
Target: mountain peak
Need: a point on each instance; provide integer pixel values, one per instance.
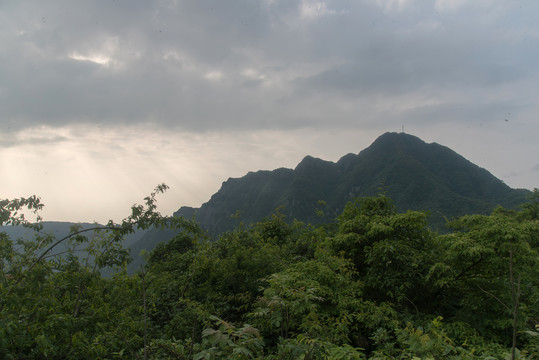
(391, 141)
(398, 135)
(310, 162)
(417, 175)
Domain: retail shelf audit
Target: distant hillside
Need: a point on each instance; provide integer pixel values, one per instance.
(416, 175)
(61, 229)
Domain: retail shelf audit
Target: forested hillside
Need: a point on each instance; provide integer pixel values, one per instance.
(377, 284)
(416, 175)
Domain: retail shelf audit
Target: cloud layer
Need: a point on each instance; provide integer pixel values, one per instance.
(200, 65)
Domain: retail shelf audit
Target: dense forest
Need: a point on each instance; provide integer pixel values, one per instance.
(376, 284)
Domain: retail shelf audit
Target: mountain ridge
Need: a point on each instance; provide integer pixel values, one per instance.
(415, 174)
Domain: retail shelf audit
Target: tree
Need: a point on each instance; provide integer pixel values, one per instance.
(487, 270)
(57, 305)
(313, 303)
(391, 251)
(530, 209)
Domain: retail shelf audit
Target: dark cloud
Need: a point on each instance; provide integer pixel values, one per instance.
(209, 64)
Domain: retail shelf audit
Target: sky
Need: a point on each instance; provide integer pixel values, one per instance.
(100, 101)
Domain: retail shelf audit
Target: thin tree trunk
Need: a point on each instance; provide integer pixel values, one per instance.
(143, 275)
(515, 297)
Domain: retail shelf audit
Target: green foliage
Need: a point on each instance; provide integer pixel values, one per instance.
(378, 285)
(57, 305)
(391, 251)
(229, 342)
(473, 275)
(530, 209)
(10, 211)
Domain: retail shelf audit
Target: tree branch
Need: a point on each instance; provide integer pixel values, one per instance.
(495, 297)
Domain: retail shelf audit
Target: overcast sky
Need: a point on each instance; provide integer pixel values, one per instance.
(100, 101)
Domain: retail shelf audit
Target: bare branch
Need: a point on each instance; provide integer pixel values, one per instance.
(495, 297)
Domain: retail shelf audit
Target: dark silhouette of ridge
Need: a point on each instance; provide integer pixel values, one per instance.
(416, 175)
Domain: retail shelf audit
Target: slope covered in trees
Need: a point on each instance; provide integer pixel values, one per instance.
(416, 175)
(378, 284)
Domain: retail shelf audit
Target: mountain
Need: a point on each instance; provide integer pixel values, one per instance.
(416, 175)
(61, 229)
